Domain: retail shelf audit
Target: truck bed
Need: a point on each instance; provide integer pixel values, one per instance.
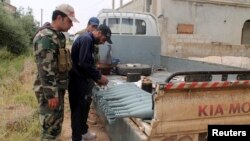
(184, 109)
(128, 125)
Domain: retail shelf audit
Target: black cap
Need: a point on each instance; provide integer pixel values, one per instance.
(106, 32)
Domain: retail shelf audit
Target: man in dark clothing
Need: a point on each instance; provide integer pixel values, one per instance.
(93, 23)
(82, 77)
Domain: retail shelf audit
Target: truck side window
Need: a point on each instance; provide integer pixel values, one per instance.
(140, 27)
(127, 26)
(114, 24)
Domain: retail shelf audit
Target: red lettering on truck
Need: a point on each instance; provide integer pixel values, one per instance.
(211, 110)
(219, 110)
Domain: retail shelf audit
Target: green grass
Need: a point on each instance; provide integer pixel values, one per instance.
(14, 92)
(27, 99)
(22, 130)
(10, 64)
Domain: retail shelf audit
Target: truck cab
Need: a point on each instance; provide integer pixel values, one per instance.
(133, 33)
(129, 23)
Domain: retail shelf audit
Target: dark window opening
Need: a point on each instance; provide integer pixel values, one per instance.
(245, 39)
(140, 27)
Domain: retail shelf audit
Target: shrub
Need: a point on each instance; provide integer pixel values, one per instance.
(16, 32)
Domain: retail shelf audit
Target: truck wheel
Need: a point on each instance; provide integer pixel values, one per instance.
(143, 69)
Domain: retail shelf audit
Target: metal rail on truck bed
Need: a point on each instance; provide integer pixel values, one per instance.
(184, 109)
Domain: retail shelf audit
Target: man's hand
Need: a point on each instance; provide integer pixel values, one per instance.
(53, 102)
(103, 81)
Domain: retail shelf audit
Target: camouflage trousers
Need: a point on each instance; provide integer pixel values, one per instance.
(50, 120)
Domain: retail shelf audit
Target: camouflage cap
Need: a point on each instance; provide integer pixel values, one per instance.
(68, 10)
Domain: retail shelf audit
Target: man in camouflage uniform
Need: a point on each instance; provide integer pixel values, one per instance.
(52, 65)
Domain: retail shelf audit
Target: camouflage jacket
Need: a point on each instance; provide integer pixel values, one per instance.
(46, 46)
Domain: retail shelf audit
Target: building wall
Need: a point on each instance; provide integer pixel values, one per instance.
(134, 5)
(8, 6)
(6, 1)
(217, 31)
(209, 31)
(219, 21)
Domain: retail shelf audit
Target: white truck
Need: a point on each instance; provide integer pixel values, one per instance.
(184, 101)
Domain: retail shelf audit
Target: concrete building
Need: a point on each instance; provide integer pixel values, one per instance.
(8, 6)
(199, 29)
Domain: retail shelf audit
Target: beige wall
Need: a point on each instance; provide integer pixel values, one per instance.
(10, 7)
(231, 55)
(217, 28)
(134, 5)
(7, 1)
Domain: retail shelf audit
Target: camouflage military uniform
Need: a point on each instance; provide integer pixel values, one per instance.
(49, 82)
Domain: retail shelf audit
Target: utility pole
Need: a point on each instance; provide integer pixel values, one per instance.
(113, 4)
(41, 17)
(121, 3)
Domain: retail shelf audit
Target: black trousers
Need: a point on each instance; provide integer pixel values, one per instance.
(79, 99)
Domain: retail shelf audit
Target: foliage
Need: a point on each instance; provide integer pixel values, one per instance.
(12, 34)
(28, 22)
(13, 93)
(16, 32)
(10, 67)
(10, 64)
